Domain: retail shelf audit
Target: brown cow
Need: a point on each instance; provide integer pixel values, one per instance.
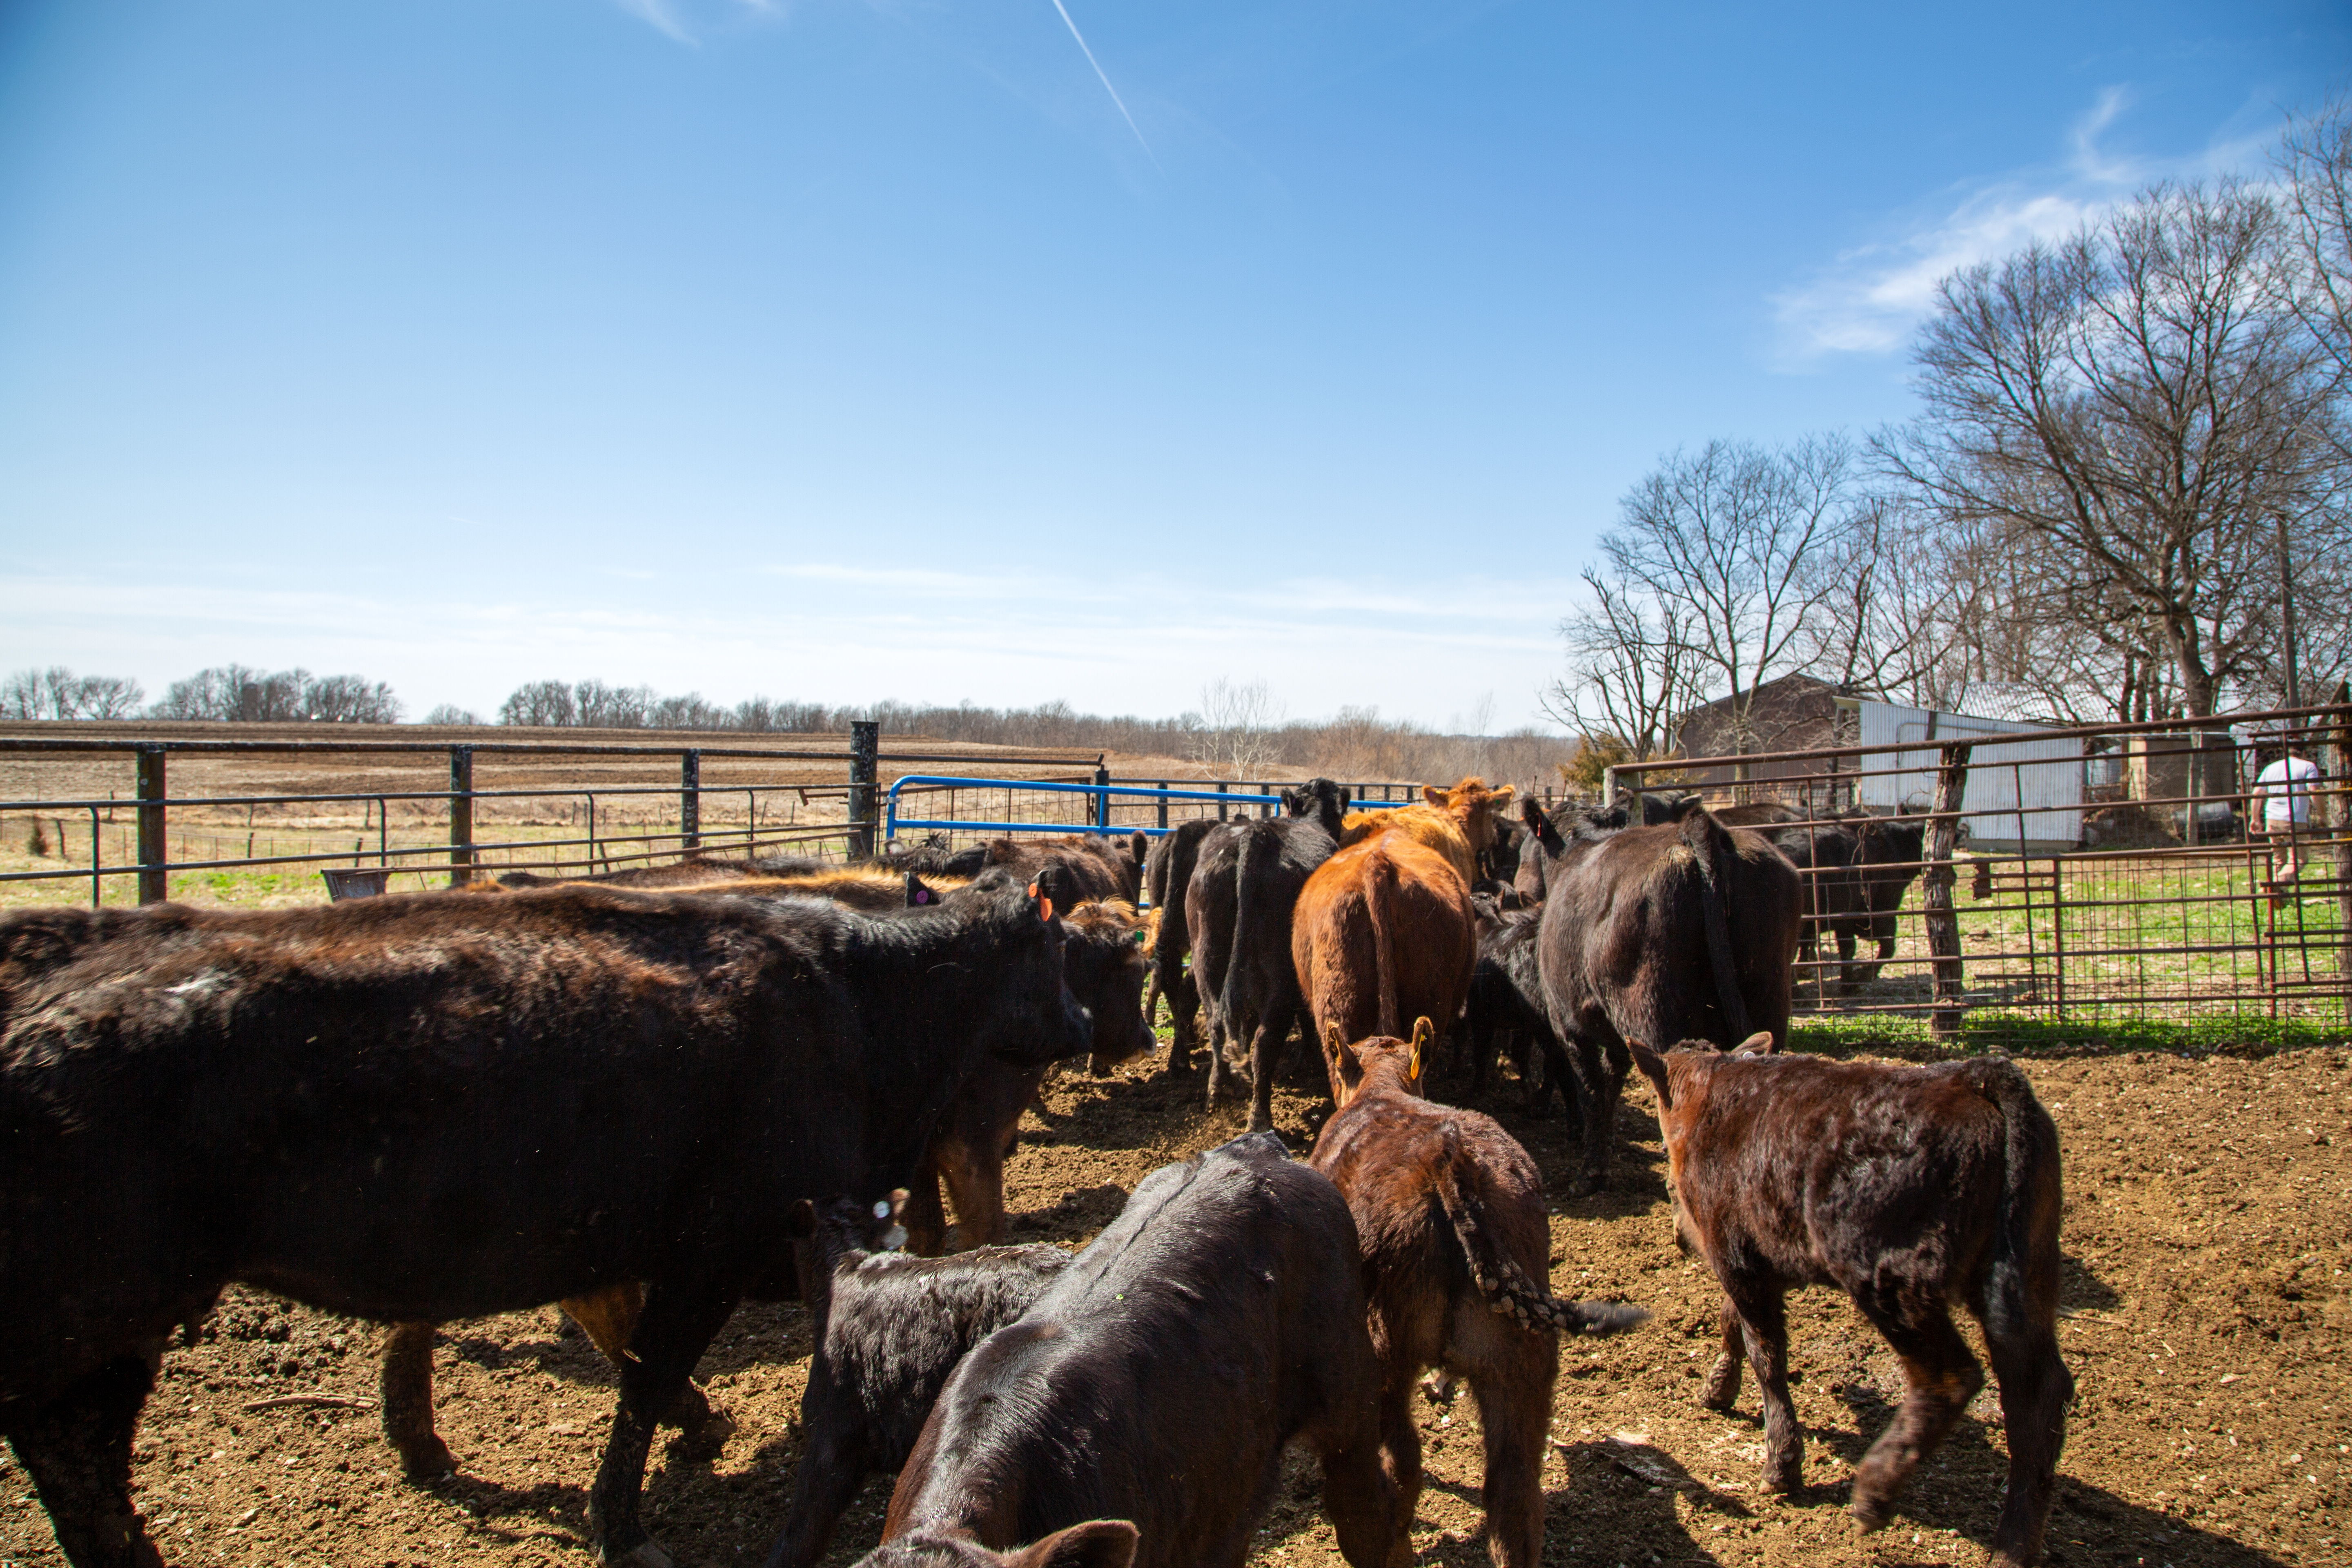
(1908, 1188)
(1458, 823)
(1384, 933)
(1449, 1214)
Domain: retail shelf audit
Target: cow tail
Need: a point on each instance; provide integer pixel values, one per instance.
(1256, 850)
(1505, 1285)
(1379, 896)
(2025, 1242)
(1711, 848)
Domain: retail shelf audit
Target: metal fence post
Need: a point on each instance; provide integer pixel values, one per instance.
(689, 800)
(1163, 804)
(1943, 924)
(461, 815)
(153, 851)
(865, 746)
(1102, 796)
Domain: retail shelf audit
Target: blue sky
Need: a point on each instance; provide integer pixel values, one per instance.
(854, 351)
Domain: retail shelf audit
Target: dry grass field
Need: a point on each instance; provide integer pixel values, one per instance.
(2209, 1231)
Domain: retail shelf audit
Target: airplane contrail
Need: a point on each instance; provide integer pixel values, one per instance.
(1131, 125)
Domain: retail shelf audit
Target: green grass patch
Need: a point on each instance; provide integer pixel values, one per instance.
(2223, 1034)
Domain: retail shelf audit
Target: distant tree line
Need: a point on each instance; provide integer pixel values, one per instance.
(1238, 732)
(2129, 491)
(230, 693)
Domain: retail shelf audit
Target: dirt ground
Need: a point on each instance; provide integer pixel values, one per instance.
(2208, 1323)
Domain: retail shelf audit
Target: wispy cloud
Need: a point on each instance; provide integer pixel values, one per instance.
(666, 17)
(1868, 299)
(657, 15)
(1104, 79)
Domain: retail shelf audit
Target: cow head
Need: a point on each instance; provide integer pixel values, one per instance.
(1379, 1061)
(1321, 799)
(1473, 805)
(1097, 1544)
(1104, 960)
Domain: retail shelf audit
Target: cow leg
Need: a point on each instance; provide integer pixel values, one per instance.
(1265, 1044)
(1597, 1090)
(1722, 1389)
(1865, 974)
(924, 1216)
(976, 1183)
(1557, 1074)
(1764, 1326)
(77, 1448)
(1400, 1442)
(1514, 1408)
(676, 1328)
(610, 1319)
(1361, 1505)
(833, 1467)
(407, 1386)
(2036, 1388)
(1848, 976)
(1218, 1070)
(1940, 1377)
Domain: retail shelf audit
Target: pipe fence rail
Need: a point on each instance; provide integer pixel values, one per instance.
(1099, 809)
(121, 847)
(2191, 873)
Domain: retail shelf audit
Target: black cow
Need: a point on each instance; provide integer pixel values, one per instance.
(1258, 996)
(434, 1106)
(1167, 873)
(889, 1329)
(1506, 998)
(1858, 869)
(1685, 930)
(1140, 1408)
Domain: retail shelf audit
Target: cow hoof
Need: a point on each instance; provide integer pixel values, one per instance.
(1591, 1184)
(1439, 1388)
(1722, 1390)
(1784, 1478)
(644, 1554)
(1871, 1513)
(428, 1462)
(706, 1439)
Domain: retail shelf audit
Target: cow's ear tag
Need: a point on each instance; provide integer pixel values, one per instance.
(881, 1208)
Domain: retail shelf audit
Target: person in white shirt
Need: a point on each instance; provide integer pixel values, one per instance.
(2282, 805)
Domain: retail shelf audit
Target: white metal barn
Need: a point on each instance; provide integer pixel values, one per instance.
(2023, 796)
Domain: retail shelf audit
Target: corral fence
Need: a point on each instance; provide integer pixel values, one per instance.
(552, 805)
(2143, 873)
(1100, 806)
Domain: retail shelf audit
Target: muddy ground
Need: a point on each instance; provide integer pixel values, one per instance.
(2208, 1322)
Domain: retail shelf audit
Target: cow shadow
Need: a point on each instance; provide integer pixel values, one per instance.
(1073, 1218)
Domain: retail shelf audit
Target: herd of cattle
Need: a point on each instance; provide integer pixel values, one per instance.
(655, 1096)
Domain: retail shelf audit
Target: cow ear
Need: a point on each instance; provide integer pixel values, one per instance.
(1654, 1068)
(1097, 1544)
(1435, 795)
(1423, 1033)
(1502, 797)
(918, 895)
(1758, 1044)
(1044, 904)
(799, 1220)
(1346, 797)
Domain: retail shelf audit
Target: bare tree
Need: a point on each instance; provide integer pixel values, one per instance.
(1631, 668)
(2131, 409)
(1719, 578)
(1237, 724)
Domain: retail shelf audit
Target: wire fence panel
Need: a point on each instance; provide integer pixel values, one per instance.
(2182, 880)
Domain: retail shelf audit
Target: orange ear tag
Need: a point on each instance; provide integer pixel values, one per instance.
(1044, 908)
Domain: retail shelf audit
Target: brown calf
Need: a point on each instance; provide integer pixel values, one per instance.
(1449, 1212)
(1384, 933)
(1908, 1188)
